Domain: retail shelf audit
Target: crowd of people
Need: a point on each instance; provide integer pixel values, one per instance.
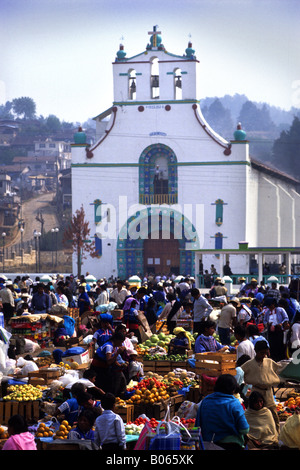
(260, 323)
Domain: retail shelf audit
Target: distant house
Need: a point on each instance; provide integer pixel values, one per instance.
(5, 184)
(9, 203)
(66, 188)
(8, 131)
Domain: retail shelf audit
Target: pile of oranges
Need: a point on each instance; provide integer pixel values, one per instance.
(44, 431)
(3, 433)
(63, 430)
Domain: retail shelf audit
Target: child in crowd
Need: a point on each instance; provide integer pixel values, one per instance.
(84, 429)
(109, 427)
(70, 408)
(262, 433)
(19, 436)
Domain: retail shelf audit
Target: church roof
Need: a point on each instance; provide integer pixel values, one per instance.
(156, 45)
(272, 171)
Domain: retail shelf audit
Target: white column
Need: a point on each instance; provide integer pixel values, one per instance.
(197, 259)
(288, 266)
(221, 264)
(260, 267)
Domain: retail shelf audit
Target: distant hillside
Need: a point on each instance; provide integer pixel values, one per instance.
(262, 122)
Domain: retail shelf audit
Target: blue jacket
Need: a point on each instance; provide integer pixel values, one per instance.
(219, 416)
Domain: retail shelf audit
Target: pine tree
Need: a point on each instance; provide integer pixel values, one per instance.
(286, 150)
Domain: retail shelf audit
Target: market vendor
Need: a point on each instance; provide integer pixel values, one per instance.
(262, 373)
(104, 359)
(181, 343)
(83, 300)
(40, 302)
(205, 341)
(103, 332)
(131, 317)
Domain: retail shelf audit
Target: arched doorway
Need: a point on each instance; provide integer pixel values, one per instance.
(158, 238)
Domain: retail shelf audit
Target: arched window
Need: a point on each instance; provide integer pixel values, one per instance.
(154, 78)
(177, 84)
(158, 175)
(132, 84)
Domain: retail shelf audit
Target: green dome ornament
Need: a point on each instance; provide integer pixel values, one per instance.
(190, 52)
(80, 137)
(239, 133)
(121, 53)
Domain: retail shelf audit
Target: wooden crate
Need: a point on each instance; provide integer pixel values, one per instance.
(179, 365)
(117, 313)
(48, 374)
(194, 394)
(163, 367)
(73, 312)
(215, 364)
(149, 366)
(176, 401)
(30, 410)
(157, 410)
(126, 412)
(74, 341)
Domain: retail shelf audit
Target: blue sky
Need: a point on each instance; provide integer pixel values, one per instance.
(59, 52)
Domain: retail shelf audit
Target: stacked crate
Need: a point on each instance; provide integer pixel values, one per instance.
(212, 365)
(30, 410)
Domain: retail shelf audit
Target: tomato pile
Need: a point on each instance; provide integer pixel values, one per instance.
(153, 422)
(189, 423)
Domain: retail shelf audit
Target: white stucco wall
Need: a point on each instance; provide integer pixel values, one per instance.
(257, 208)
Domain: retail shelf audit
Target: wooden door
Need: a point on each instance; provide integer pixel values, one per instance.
(161, 256)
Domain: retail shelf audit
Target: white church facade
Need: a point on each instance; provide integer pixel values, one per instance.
(161, 190)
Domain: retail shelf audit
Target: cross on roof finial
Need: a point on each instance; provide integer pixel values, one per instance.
(154, 30)
(154, 35)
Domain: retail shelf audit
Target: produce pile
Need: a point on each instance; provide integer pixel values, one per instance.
(288, 407)
(148, 391)
(3, 433)
(155, 387)
(61, 432)
(24, 392)
(161, 341)
(157, 356)
(135, 427)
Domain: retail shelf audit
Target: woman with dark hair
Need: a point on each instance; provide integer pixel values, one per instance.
(131, 317)
(276, 321)
(206, 342)
(20, 438)
(262, 373)
(221, 416)
(262, 432)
